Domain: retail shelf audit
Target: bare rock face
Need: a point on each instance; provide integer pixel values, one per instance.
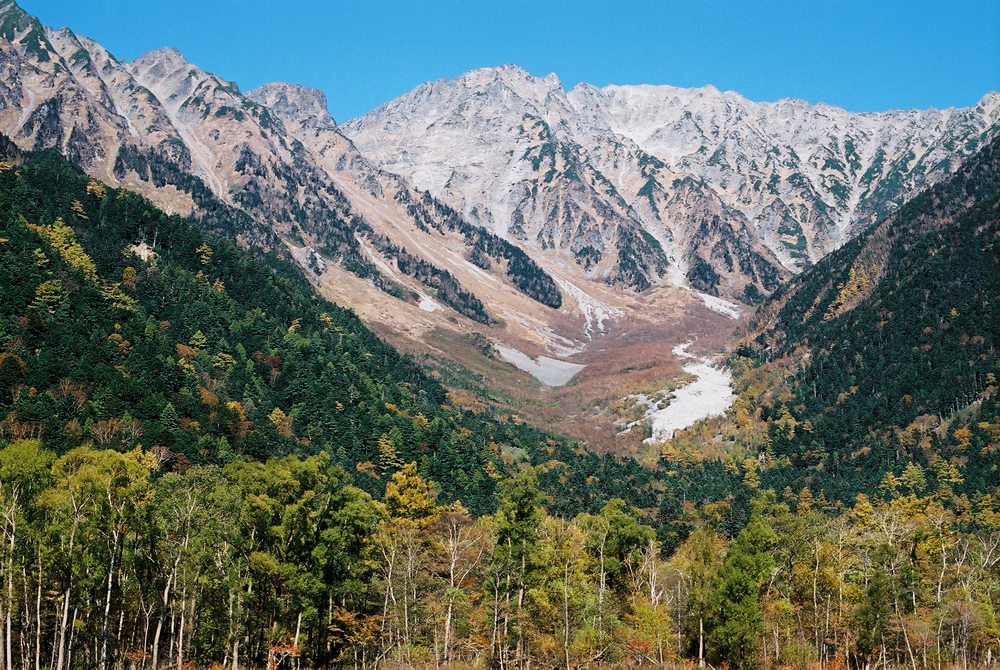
(738, 194)
(306, 106)
(269, 168)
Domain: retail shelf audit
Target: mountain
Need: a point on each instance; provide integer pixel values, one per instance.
(707, 187)
(149, 368)
(271, 169)
(124, 327)
(180, 135)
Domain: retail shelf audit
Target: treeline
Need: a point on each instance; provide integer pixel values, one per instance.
(108, 562)
(160, 169)
(121, 325)
(444, 284)
(334, 229)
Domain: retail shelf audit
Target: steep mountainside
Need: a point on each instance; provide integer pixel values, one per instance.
(494, 218)
(271, 169)
(735, 193)
(887, 349)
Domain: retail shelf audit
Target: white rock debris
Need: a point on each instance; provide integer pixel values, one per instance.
(549, 371)
(710, 394)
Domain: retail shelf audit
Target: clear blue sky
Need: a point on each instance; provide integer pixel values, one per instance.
(863, 55)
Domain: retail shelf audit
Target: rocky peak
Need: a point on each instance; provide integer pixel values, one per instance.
(990, 101)
(163, 55)
(295, 104)
(799, 179)
(178, 83)
(167, 65)
(509, 74)
(14, 20)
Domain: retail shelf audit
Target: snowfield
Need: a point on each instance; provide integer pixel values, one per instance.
(593, 310)
(730, 309)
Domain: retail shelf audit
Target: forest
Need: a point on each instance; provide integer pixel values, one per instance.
(110, 562)
(204, 464)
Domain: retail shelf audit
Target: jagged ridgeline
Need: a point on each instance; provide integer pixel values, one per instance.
(888, 347)
(123, 326)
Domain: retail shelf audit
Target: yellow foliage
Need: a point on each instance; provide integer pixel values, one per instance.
(62, 238)
(204, 253)
(118, 299)
(77, 208)
(186, 366)
(281, 421)
(223, 361)
(858, 282)
(408, 496)
(198, 341)
(124, 346)
(96, 189)
(750, 476)
(146, 459)
(49, 296)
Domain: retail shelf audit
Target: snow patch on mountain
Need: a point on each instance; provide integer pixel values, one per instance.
(428, 304)
(711, 394)
(594, 312)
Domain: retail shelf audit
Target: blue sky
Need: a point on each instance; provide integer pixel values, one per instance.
(865, 56)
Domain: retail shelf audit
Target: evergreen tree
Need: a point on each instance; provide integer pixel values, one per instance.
(735, 600)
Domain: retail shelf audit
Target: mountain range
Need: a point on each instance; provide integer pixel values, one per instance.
(632, 182)
(495, 213)
(491, 452)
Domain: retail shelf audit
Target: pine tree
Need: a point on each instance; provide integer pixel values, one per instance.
(168, 417)
(198, 341)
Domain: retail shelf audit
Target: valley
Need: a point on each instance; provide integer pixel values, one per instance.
(497, 206)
